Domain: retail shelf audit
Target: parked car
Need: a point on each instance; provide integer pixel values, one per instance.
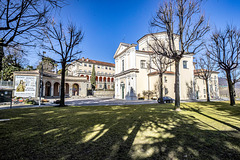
(166, 100)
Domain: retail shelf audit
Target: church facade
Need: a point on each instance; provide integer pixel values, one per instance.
(133, 76)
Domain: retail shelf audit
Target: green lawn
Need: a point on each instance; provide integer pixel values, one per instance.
(199, 131)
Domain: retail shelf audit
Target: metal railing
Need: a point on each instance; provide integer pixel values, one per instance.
(6, 84)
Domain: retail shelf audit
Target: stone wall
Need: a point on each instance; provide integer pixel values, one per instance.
(109, 94)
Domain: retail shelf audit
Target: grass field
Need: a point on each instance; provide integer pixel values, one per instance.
(199, 131)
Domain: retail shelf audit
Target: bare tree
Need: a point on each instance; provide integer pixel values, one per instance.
(147, 93)
(183, 24)
(225, 50)
(65, 43)
(158, 62)
(204, 68)
(20, 19)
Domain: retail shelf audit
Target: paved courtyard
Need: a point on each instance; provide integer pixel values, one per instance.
(93, 101)
(86, 102)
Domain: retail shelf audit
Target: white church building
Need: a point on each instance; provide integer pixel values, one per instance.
(132, 76)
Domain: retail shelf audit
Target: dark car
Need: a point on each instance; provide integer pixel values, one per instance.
(166, 100)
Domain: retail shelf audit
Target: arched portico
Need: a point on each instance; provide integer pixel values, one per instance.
(56, 89)
(48, 88)
(75, 89)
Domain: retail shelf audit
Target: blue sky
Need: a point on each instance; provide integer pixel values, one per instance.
(106, 23)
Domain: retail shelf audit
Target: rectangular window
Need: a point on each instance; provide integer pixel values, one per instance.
(106, 67)
(102, 67)
(85, 64)
(165, 79)
(185, 64)
(122, 65)
(80, 64)
(110, 68)
(204, 91)
(90, 65)
(143, 64)
(114, 69)
(166, 91)
(98, 66)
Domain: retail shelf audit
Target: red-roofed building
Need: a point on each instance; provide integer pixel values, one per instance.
(104, 72)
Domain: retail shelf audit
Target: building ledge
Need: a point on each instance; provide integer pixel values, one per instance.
(156, 73)
(127, 71)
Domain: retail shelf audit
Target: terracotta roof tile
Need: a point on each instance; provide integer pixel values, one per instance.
(96, 62)
(196, 71)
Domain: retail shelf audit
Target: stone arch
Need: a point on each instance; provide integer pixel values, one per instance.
(104, 79)
(108, 79)
(56, 89)
(112, 79)
(48, 88)
(75, 89)
(100, 79)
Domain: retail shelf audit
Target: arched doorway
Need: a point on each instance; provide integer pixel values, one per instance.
(66, 89)
(56, 89)
(75, 90)
(47, 88)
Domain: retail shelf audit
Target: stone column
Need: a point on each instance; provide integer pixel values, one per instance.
(70, 89)
(43, 88)
(52, 88)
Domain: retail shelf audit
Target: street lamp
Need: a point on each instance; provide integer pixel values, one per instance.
(41, 80)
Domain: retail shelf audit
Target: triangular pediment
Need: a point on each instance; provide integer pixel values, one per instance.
(121, 47)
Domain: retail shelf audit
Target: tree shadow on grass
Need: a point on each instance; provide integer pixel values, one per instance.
(208, 116)
(223, 106)
(115, 132)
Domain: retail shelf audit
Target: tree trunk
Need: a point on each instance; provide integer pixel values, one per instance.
(207, 88)
(1, 53)
(177, 85)
(230, 88)
(62, 96)
(161, 88)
